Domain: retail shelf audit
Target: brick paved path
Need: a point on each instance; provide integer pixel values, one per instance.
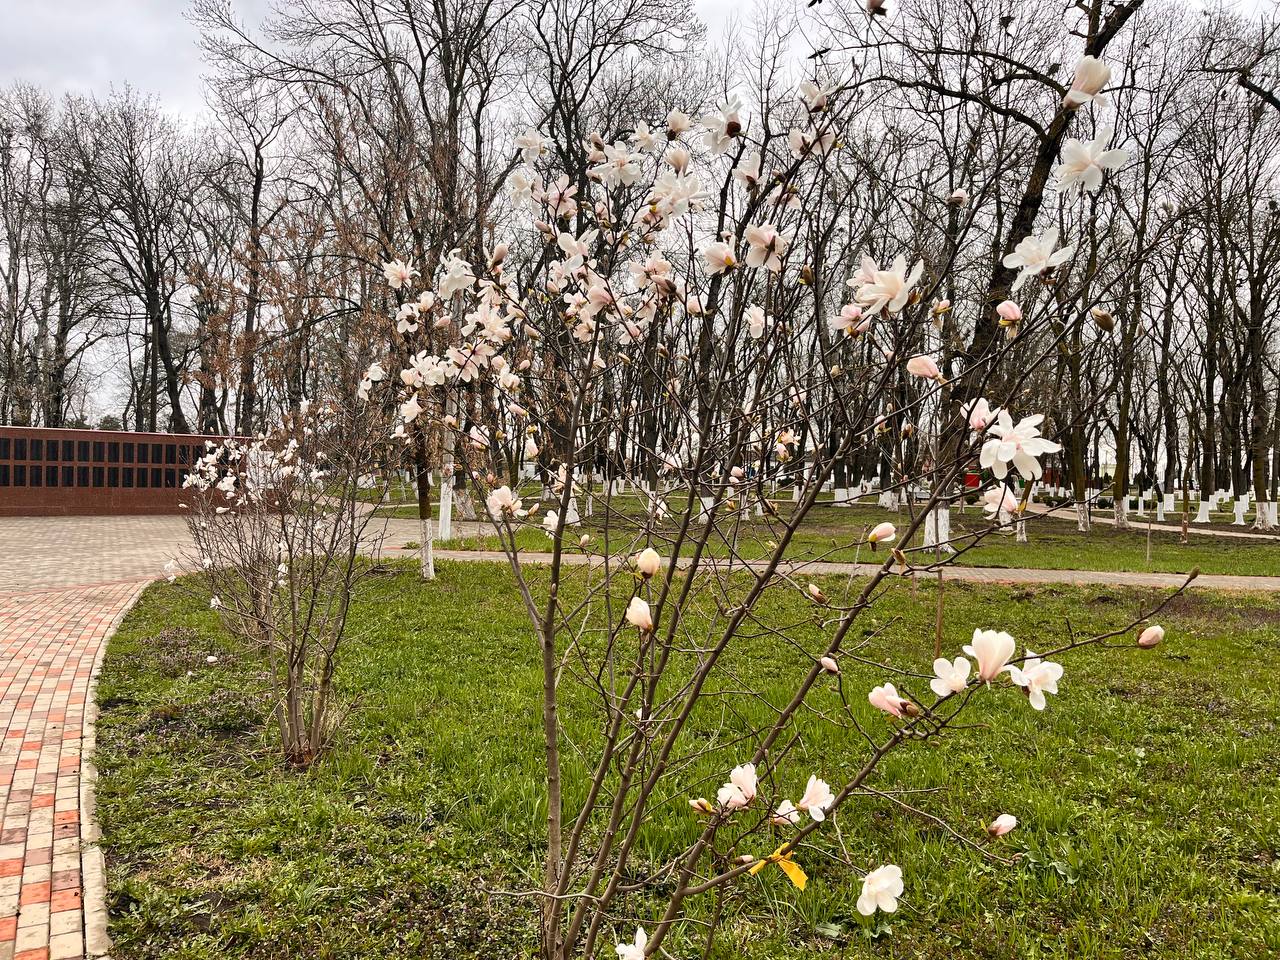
(50, 645)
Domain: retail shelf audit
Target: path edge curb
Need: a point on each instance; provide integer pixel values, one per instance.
(97, 942)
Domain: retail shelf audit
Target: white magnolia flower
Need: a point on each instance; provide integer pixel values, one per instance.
(620, 167)
(522, 187)
(1083, 164)
(951, 676)
(1019, 444)
(644, 138)
(1036, 255)
(398, 273)
(755, 322)
(785, 815)
(531, 145)
(887, 289)
(748, 171)
(813, 96)
(722, 127)
(881, 889)
(1037, 677)
(635, 949)
(457, 276)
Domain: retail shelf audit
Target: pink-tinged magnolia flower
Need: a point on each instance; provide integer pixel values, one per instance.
(886, 698)
(816, 593)
(398, 273)
(1151, 636)
(997, 500)
(882, 533)
(635, 949)
(881, 889)
(741, 788)
(1083, 164)
(1035, 255)
(755, 322)
(924, 367)
(887, 289)
(679, 158)
(638, 615)
(817, 798)
(1090, 77)
(1037, 677)
(958, 197)
(648, 562)
(992, 649)
(786, 815)
(767, 246)
(1009, 313)
(1019, 445)
(503, 502)
(811, 141)
(1005, 823)
(951, 676)
(849, 321)
(829, 664)
(718, 257)
(744, 778)
(978, 412)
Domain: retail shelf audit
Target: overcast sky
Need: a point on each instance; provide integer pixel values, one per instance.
(86, 46)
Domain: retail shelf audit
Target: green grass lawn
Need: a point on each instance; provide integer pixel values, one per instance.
(831, 533)
(1147, 792)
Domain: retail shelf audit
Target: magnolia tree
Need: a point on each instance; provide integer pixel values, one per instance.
(691, 291)
(279, 531)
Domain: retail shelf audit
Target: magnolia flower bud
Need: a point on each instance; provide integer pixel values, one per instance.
(1151, 636)
(882, 533)
(1103, 319)
(829, 664)
(1002, 824)
(648, 562)
(584, 540)
(639, 616)
(817, 594)
(702, 805)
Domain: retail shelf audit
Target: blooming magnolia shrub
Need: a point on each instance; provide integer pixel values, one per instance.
(680, 290)
(279, 532)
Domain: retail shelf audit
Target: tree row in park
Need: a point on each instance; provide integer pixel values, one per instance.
(212, 276)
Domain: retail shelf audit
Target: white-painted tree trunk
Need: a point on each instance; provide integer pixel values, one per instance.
(889, 499)
(1202, 515)
(1242, 505)
(937, 529)
(426, 548)
(1122, 513)
(1082, 516)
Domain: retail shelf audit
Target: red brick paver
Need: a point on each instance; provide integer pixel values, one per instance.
(51, 642)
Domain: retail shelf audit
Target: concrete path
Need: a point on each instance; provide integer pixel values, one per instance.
(1000, 575)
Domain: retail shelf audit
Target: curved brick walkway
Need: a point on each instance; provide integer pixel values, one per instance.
(50, 648)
